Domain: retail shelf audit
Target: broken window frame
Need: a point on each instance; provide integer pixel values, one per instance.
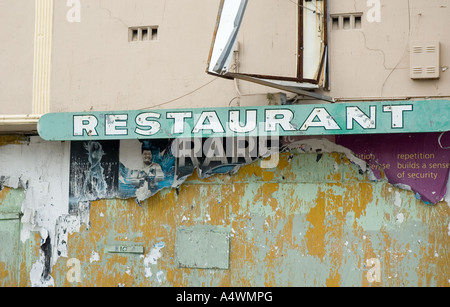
(297, 84)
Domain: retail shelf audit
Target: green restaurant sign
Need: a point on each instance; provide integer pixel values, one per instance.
(284, 120)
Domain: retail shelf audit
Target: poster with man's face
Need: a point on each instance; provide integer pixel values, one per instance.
(146, 170)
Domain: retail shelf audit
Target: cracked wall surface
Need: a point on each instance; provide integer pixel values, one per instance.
(315, 219)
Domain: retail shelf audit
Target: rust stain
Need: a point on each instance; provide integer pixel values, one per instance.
(3, 193)
(3, 271)
(315, 237)
(12, 140)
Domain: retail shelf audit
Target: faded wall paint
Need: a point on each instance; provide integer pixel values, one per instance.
(315, 220)
(291, 227)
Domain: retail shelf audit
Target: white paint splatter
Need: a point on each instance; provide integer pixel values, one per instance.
(152, 258)
(336, 167)
(36, 278)
(400, 218)
(397, 199)
(160, 276)
(94, 257)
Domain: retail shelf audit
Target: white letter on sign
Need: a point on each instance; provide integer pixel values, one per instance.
(114, 121)
(213, 124)
(83, 123)
(325, 120)
(355, 114)
(141, 120)
(235, 125)
(178, 126)
(281, 117)
(397, 114)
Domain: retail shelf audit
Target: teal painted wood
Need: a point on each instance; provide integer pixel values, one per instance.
(9, 249)
(286, 120)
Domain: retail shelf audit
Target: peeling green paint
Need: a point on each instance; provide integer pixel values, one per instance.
(286, 228)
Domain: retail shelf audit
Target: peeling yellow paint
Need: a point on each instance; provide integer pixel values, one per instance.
(286, 226)
(3, 271)
(3, 193)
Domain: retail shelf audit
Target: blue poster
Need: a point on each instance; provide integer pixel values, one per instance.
(156, 172)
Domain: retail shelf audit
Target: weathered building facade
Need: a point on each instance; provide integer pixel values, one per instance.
(315, 155)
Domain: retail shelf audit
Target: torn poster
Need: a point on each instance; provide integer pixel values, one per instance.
(419, 162)
(154, 170)
(141, 168)
(93, 171)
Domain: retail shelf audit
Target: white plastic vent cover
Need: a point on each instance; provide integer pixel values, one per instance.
(424, 60)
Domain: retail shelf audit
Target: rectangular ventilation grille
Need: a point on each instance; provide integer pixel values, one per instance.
(143, 34)
(425, 61)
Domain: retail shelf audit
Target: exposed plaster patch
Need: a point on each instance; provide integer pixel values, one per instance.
(40, 271)
(397, 199)
(12, 182)
(400, 218)
(41, 168)
(69, 224)
(36, 277)
(326, 146)
(152, 259)
(143, 193)
(94, 257)
(160, 276)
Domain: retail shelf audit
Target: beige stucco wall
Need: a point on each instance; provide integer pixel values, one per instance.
(16, 56)
(94, 67)
(374, 61)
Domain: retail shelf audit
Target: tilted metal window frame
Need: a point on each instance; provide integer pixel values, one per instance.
(229, 19)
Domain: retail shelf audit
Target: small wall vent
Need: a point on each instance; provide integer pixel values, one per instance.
(142, 34)
(350, 21)
(424, 60)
